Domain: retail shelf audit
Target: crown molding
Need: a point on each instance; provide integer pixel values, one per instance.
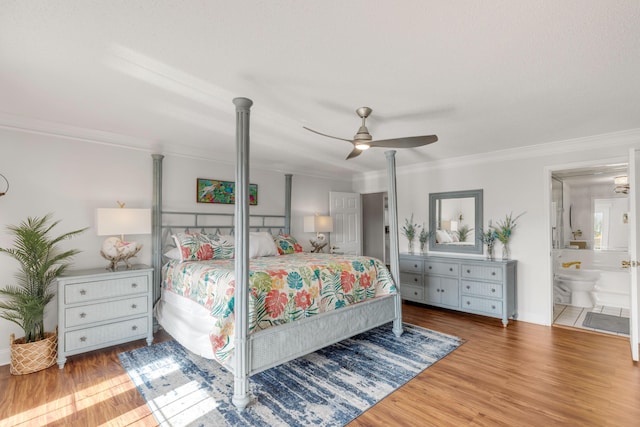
(624, 138)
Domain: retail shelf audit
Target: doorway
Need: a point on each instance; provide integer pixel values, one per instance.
(589, 239)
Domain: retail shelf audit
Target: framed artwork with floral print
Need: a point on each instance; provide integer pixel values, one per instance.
(215, 191)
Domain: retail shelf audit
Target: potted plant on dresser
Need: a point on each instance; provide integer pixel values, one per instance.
(41, 262)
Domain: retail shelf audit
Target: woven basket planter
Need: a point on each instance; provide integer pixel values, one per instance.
(33, 356)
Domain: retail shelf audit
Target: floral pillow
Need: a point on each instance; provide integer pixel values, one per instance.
(287, 244)
(196, 246)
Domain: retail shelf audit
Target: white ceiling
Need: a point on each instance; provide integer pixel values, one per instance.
(482, 75)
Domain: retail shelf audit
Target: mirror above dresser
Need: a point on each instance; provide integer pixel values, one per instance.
(455, 219)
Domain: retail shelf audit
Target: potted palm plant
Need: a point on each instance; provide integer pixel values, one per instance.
(41, 262)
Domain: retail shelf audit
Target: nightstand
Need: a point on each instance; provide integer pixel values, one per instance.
(99, 308)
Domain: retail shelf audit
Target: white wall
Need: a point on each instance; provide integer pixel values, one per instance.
(72, 178)
(513, 181)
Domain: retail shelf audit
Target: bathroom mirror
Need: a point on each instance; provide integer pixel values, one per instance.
(455, 217)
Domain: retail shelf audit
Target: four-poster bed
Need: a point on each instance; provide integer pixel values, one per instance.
(334, 308)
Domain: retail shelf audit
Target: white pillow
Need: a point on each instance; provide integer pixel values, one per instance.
(173, 254)
(261, 244)
(443, 237)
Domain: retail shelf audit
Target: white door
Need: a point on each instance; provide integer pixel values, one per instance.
(634, 247)
(347, 222)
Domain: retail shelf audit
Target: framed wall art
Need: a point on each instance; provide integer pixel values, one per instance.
(215, 191)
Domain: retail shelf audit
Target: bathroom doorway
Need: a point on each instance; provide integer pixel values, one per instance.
(590, 238)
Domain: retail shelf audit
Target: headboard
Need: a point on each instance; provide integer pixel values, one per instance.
(165, 223)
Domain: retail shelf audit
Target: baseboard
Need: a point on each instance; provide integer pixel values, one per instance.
(5, 356)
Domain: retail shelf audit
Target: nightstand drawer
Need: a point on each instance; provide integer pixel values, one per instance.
(100, 335)
(410, 279)
(492, 290)
(101, 289)
(441, 268)
(91, 313)
(482, 272)
(482, 305)
(409, 265)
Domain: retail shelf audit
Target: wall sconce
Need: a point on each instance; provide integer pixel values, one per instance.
(4, 187)
(121, 221)
(318, 224)
(621, 184)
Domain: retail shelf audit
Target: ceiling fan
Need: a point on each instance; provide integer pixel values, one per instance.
(363, 139)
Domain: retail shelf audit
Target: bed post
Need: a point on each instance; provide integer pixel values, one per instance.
(287, 203)
(241, 305)
(156, 226)
(393, 238)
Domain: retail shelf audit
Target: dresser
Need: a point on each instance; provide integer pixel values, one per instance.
(99, 308)
(465, 284)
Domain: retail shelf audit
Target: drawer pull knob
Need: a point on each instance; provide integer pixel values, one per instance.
(450, 268)
(415, 279)
(83, 292)
(430, 267)
(468, 287)
(134, 327)
(134, 285)
(493, 307)
(83, 315)
(468, 271)
(437, 290)
(133, 306)
(83, 339)
(442, 290)
(493, 290)
(493, 273)
(468, 302)
(415, 293)
(415, 265)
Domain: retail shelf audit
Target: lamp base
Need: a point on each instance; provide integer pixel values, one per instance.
(116, 251)
(318, 245)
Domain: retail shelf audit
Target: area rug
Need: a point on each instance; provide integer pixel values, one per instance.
(606, 322)
(329, 387)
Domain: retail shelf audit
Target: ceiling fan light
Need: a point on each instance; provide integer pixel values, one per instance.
(362, 145)
(621, 180)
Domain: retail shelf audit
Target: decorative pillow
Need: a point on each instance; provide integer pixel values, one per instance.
(286, 244)
(261, 244)
(196, 246)
(443, 237)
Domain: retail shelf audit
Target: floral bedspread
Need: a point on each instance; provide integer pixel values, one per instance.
(282, 289)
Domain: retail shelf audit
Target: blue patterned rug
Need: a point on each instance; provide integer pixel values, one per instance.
(329, 387)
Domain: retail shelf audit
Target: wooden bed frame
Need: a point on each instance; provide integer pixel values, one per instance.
(273, 346)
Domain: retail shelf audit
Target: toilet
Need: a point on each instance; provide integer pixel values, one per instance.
(580, 287)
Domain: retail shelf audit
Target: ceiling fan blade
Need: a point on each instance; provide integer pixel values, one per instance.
(409, 142)
(354, 153)
(328, 136)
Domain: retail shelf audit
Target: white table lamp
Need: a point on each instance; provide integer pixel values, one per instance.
(121, 221)
(318, 224)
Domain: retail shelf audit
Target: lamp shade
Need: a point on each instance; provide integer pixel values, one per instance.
(318, 224)
(123, 221)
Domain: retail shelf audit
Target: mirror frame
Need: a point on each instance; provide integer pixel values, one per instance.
(477, 195)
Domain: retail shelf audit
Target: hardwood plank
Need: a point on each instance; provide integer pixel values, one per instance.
(524, 375)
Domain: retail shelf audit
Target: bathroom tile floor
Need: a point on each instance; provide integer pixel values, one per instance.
(568, 315)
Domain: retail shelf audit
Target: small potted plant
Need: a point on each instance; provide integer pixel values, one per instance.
(504, 230)
(41, 262)
(423, 238)
(409, 230)
(488, 238)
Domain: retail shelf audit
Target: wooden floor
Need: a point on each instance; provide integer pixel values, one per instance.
(522, 375)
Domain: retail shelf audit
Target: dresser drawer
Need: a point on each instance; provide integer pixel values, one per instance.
(441, 268)
(100, 289)
(413, 293)
(100, 335)
(482, 272)
(493, 290)
(411, 279)
(91, 313)
(410, 265)
(482, 305)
